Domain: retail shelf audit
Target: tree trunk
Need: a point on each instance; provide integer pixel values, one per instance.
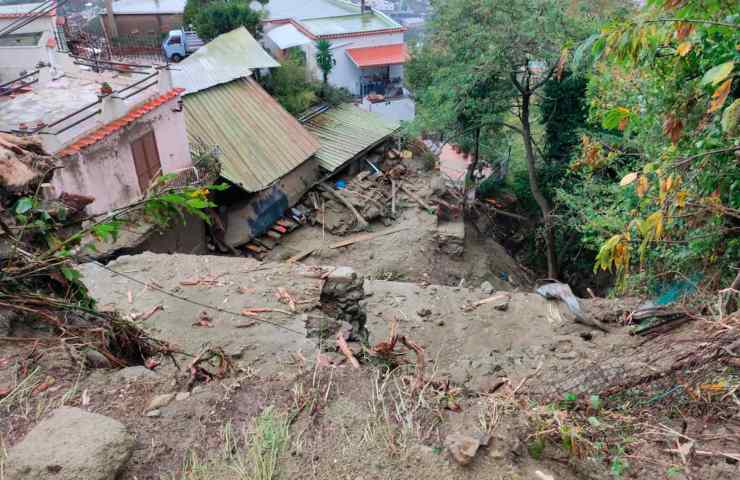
(469, 180)
(552, 262)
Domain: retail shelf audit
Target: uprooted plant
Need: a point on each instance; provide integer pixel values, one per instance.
(44, 239)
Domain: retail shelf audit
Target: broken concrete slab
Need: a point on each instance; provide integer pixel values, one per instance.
(258, 313)
(468, 343)
(233, 285)
(72, 444)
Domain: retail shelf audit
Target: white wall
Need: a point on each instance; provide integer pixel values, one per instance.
(14, 60)
(106, 169)
(345, 73)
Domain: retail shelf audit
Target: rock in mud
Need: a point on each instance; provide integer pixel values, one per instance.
(160, 401)
(96, 359)
(424, 312)
(486, 288)
(462, 448)
(72, 445)
(133, 374)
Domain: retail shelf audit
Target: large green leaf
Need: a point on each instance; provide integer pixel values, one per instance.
(23, 205)
(718, 73)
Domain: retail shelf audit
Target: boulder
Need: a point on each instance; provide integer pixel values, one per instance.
(72, 445)
(462, 447)
(135, 374)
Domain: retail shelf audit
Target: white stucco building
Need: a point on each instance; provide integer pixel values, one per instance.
(368, 46)
(26, 43)
(110, 146)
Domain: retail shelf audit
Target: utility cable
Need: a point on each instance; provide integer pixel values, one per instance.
(24, 15)
(27, 20)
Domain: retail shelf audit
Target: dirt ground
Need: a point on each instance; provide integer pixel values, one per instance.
(411, 254)
(515, 372)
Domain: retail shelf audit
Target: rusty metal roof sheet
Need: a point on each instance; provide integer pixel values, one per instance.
(259, 141)
(346, 131)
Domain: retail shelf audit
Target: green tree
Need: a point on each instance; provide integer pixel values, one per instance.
(666, 176)
(289, 86)
(324, 58)
(484, 63)
(211, 18)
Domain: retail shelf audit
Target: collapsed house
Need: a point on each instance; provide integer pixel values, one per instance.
(347, 134)
(262, 150)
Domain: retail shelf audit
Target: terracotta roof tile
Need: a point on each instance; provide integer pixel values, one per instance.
(106, 130)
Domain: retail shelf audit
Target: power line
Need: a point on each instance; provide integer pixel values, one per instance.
(193, 302)
(24, 16)
(25, 20)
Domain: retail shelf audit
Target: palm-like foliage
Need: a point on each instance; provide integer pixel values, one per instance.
(324, 58)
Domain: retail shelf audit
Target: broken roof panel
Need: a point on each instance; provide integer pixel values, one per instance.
(345, 132)
(227, 57)
(287, 36)
(259, 141)
(131, 7)
(365, 57)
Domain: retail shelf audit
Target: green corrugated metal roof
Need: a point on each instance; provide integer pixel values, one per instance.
(225, 58)
(346, 131)
(360, 23)
(259, 141)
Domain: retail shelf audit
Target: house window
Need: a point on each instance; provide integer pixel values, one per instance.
(146, 160)
(21, 39)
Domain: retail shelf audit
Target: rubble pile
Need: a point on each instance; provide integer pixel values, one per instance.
(340, 298)
(374, 195)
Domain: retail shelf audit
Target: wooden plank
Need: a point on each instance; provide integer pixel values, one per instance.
(301, 256)
(367, 236)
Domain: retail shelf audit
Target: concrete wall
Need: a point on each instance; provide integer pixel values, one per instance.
(188, 236)
(43, 24)
(147, 24)
(252, 217)
(14, 60)
(345, 73)
(106, 169)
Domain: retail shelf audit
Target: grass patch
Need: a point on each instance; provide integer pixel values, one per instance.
(252, 454)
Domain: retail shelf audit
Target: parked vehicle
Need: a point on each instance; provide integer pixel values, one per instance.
(179, 44)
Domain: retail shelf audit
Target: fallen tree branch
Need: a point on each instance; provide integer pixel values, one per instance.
(344, 348)
(361, 222)
(415, 197)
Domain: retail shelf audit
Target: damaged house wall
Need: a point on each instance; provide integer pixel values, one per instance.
(250, 218)
(107, 170)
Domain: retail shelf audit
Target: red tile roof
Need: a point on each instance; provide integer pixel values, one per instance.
(382, 55)
(112, 127)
